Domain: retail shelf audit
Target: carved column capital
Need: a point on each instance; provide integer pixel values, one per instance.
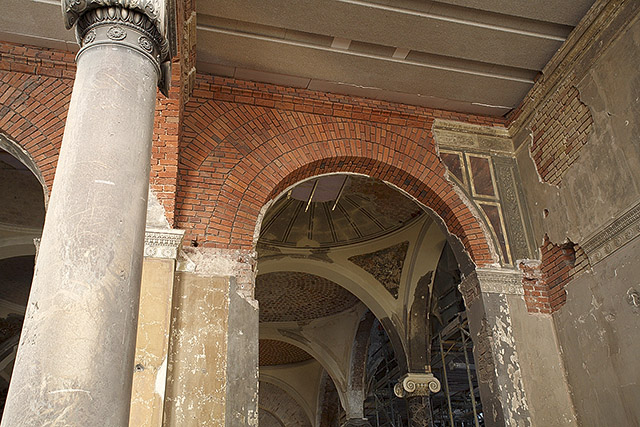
(493, 281)
(146, 26)
(416, 384)
(162, 243)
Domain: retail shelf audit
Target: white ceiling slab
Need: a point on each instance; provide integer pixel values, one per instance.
(476, 56)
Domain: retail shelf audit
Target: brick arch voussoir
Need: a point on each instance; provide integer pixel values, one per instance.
(432, 191)
(35, 121)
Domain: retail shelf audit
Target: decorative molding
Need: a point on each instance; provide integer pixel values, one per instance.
(470, 289)
(613, 236)
(490, 281)
(162, 243)
(463, 136)
(514, 214)
(145, 26)
(416, 384)
(508, 282)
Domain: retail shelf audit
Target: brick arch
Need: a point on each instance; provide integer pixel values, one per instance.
(33, 115)
(247, 155)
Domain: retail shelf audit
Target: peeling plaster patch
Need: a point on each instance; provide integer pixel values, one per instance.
(161, 378)
(515, 405)
(214, 262)
(385, 265)
(156, 215)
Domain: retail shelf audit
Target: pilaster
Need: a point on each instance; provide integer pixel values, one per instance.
(503, 395)
(154, 325)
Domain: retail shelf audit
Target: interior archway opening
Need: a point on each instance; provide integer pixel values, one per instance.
(333, 247)
(21, 220)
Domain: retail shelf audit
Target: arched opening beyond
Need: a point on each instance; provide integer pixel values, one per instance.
(22, 209)
(385, 249)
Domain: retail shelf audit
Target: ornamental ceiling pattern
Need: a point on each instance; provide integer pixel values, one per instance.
(287, 296)
(273, 353)
(336, 210)
(385, 265)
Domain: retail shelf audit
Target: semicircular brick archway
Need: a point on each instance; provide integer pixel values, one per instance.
(235, 158)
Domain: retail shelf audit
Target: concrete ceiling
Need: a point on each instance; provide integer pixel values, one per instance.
(477, 56)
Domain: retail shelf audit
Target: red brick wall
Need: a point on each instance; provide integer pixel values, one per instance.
(243, 143)
(35, 90)
(560, 128)
(544, 282)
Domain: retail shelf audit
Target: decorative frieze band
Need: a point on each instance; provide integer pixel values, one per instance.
(459, 135)
(484, 280)
(416, 384)
(615, 235)
(162, 243)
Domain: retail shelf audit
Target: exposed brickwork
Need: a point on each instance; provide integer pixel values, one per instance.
(544, 282)
(560, 128)
(37, 60)
(274, 353)
(244, 143)
(282, 406)
(35, 90)
(287, 296)
(166, 136)
(33, 108)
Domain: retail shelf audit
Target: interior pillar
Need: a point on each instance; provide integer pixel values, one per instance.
(76, 356)
(415, 388)
(502, 391)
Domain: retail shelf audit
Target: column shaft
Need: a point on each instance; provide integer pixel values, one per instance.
(419, 411)
(75, 362)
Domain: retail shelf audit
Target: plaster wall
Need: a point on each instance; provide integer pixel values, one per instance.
(541, 366)
(598, 330)
(197, 369)
(597, 327)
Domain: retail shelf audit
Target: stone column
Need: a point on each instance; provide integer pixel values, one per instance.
(75, 361)
(503, 394)
(154, 325)
(415, 388)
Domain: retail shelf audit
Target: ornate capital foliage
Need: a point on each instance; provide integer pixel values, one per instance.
(162, 243)
(416, 384)
(146, 26)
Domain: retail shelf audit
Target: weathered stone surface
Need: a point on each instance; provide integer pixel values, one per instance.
(197, 365)
(78, 341)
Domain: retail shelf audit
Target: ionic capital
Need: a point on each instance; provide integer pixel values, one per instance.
(416, 384)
